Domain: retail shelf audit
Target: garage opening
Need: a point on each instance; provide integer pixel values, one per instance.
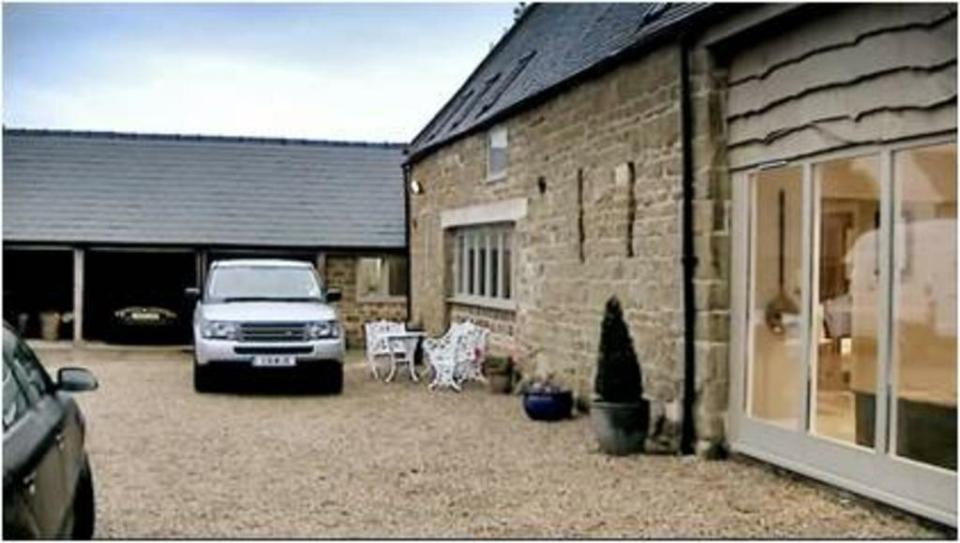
(38, 292)
(137, 297)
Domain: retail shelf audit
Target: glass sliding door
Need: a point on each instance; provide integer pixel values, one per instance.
(776, 341)
(844, 321)
(846, 302)
(925, 305)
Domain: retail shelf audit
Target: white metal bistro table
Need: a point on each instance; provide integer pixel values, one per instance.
(403, 348)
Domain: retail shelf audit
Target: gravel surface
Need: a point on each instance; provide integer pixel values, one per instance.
(396, 460)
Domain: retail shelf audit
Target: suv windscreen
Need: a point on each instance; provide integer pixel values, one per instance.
(263, 283)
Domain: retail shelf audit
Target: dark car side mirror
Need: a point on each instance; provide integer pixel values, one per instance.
(334, 295)
(192, 293)
(76, 380)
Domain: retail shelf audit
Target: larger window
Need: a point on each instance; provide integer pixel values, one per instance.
(852, 301)
(483, 263)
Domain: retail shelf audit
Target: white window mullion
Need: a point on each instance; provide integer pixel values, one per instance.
(886, 371)
(809, 287)
(487, 262)
(475, 281)
(500, 264)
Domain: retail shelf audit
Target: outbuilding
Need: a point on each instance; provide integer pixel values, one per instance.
(94, 222)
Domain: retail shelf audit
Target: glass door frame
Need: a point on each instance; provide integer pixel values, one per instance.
(875, 472)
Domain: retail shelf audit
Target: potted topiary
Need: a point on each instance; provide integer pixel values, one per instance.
(545, 400)
(499, 373)
(618, 412)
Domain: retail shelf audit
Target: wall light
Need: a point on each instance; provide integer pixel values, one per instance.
(415, 187)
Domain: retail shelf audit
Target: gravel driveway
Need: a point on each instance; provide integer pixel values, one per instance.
(395, 460)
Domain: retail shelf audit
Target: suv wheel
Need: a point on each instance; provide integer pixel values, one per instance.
(336, 379)
(84, 507)
(202, 380)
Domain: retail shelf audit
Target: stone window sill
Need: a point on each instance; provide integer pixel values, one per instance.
(497, 178)
(479, 301)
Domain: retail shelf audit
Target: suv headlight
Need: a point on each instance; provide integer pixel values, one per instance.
(219, 330)
(322, 330)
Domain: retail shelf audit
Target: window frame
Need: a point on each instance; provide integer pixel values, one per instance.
(493, 237)
(384, 296)
(923, 489)
(493, 176)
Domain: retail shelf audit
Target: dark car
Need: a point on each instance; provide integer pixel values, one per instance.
(47, 482)
(138, 323)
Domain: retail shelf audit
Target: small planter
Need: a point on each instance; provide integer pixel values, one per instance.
(620, 428)
(500, 383)
(499, 374)
(548, 406)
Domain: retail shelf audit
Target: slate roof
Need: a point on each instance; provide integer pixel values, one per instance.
(550, 44)
(99, 187)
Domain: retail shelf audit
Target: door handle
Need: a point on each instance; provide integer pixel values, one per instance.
(30, 483)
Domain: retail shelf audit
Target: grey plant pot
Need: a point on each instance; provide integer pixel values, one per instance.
(621, 428)
(500, 382)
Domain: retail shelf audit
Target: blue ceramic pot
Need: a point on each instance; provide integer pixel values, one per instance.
(548, 406)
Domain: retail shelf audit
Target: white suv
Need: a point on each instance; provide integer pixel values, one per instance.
(266, 318)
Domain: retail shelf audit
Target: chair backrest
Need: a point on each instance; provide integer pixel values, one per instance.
(473, 343)
(374, 331)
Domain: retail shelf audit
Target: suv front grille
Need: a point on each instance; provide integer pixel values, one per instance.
(273, 331)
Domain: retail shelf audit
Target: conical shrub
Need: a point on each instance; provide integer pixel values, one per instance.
(618, 376)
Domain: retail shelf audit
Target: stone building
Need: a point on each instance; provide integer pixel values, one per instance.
(770, 190)
(94, 222)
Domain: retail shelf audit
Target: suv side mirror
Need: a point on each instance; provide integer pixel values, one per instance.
(76, 380)
(334, 295)
(192, 293)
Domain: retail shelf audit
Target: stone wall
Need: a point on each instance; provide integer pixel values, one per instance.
(618, 137)
(340, 271)
(712, 247)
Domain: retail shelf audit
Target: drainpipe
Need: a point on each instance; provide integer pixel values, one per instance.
(689, 259)
(406, 236)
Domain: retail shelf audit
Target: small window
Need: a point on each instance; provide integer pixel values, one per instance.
(381, 277)
(497, 153)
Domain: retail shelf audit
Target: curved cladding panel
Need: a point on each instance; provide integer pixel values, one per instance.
(860, 75)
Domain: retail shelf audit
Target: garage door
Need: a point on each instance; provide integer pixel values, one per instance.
(118, 280)
(38, 292)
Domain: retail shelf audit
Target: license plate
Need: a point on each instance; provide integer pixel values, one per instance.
(145, 316)
(274, 361)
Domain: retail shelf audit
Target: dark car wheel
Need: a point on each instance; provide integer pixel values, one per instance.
(202, 380)
(336, 379)
(84, 505)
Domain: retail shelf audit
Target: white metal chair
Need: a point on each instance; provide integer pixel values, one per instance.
(458, 355)
(376, 344)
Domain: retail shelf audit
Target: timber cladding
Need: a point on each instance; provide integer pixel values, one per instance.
(861, 74)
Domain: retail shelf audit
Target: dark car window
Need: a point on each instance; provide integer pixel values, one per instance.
(22, 357)
(15, 402)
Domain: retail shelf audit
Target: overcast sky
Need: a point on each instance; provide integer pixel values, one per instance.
(375, 72)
